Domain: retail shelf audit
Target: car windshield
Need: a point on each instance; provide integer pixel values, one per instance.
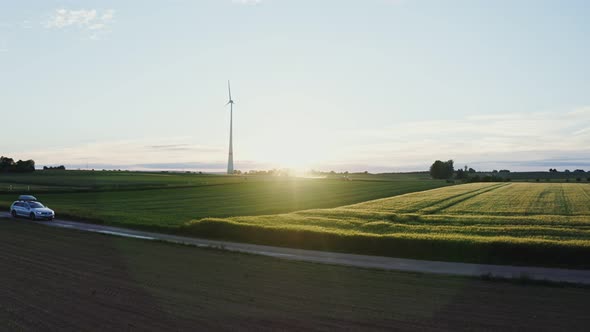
(35, 205)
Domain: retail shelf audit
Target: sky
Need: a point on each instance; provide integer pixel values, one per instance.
(376, 85)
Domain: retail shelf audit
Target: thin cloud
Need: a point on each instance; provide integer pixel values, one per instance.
(169, 146)
(522, 138)
(180, 166)
(26, 24)
(517, 141)
(128, 154)
(94, 21)
(183, 147)
(247, 2)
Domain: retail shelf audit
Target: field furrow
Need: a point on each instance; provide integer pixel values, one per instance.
(417, 201)
(577, 199)
(528, 199)
(447, 203)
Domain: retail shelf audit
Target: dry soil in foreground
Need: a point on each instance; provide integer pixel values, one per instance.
(55, 279)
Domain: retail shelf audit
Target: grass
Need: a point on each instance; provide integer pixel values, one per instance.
(56, 279)
(168, 201)
(504, 223)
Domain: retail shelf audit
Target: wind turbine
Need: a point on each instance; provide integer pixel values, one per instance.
(230, 160)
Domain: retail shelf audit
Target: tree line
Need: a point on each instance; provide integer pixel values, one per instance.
(446, 170)
(57, 168)
(8, 165)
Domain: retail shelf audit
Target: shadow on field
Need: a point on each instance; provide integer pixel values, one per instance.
(56, 279)
(66, 280)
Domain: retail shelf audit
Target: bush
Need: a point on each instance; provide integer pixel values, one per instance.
(488, 252)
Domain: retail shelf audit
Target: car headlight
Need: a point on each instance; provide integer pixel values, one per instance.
(38, 212)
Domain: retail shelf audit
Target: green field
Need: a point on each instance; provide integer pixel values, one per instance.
(92, 181)
(513, 223)
(401, 215)
(167, 200)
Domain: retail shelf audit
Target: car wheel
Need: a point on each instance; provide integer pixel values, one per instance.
(33, 216)
(13, 213)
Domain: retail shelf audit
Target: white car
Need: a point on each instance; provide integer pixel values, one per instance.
(28, 206)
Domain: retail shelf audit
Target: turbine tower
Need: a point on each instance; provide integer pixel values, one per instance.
(230, 159)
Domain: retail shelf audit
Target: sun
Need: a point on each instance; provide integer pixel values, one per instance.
(298, 154)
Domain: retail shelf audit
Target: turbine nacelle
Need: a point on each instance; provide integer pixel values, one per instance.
(229, 90)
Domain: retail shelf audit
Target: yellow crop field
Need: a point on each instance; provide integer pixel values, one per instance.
(548, 220)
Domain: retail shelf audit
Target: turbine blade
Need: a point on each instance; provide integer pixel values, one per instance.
(229, 89)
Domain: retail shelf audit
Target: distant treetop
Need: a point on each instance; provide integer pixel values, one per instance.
(7, 165)
(442, 169)
(59, 168)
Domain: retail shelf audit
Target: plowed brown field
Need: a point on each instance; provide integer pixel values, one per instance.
(54, 279)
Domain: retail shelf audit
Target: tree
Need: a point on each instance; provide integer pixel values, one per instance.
(7, 165)
(24, 166)
(460, 174)
(442, 169)
(471, 170)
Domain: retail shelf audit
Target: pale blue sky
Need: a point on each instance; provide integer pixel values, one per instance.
(381, 85)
